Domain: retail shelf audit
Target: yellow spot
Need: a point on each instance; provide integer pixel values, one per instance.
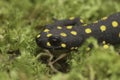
(81, 21)
(105, 46)
(63, 34)
(48, 35)
(88, 30)
(48, 44)
(104, 42)
(73, 32)
(59, 27)
(119, 35)
(115, 24)
(38, 36)
(63, 45)
(46, 30)
(69, 27)
(102, 28)
(72, 18)
(104, 18)
(88, 49)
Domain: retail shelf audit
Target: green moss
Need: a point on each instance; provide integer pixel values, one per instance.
(19, 24)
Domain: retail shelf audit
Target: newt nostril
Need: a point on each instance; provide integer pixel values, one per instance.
(55, 40)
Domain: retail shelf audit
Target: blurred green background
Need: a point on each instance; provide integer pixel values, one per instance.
(22, 20)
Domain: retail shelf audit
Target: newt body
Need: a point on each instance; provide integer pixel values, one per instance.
(70, 34)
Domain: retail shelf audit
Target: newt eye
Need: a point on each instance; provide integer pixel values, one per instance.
(55, 40)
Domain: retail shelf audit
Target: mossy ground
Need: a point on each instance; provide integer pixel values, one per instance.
(22, 20)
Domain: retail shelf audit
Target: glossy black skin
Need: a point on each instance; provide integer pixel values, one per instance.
(110, 35)
(41, 42)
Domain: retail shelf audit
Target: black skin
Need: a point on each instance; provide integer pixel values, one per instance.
(65, 22)
(109, 34)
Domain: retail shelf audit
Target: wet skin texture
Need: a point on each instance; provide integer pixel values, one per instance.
(70, 33)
